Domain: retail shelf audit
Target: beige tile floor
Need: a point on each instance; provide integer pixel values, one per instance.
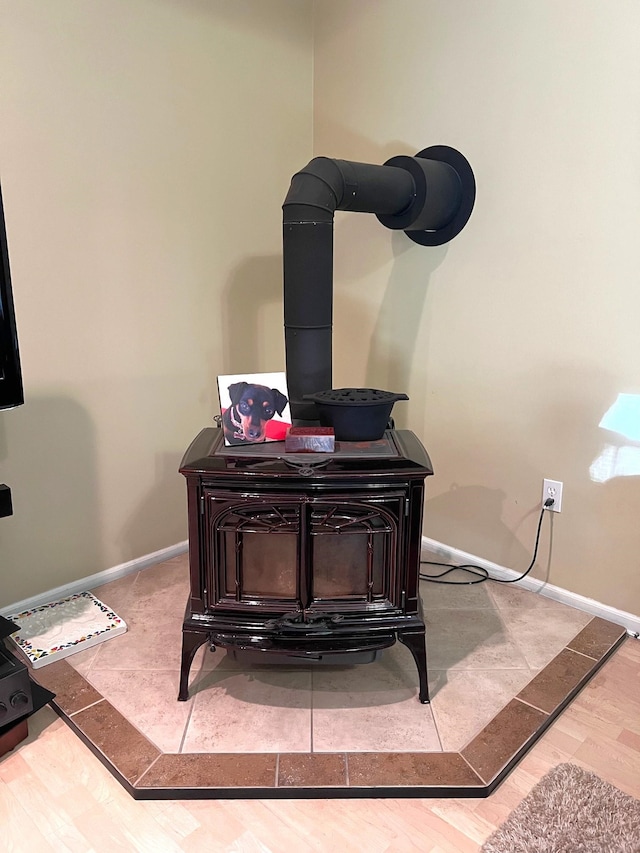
(485, 643)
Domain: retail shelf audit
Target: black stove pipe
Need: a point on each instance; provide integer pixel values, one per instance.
(429, 197)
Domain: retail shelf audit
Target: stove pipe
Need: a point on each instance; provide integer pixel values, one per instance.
(430, 197)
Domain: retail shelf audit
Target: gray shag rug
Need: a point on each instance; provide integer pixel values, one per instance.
(570, 811)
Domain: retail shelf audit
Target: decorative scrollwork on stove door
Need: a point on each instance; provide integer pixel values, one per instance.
(258, 553)
(353, 553)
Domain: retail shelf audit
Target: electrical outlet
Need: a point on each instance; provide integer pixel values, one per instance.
(552, 489)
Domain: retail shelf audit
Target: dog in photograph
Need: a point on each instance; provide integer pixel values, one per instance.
(252, 406)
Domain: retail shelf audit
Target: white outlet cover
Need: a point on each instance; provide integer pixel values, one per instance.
(552, 489)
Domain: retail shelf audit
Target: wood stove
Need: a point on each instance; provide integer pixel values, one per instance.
(305, 556)
(315, 557)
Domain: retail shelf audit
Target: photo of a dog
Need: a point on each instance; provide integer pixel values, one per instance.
(252, 410)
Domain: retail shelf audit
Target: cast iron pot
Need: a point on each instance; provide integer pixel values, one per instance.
(356, 414)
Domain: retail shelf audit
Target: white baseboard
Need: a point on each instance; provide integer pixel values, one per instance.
(564, 596)
(92, 581)
(448, 553)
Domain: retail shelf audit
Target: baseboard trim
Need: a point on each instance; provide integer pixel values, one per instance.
(92, 581)
(454, 555)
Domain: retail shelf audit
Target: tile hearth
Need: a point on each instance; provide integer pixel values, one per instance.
(502, 663)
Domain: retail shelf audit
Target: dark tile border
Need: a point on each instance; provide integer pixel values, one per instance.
(119, 741)
(550, 687)
(512, 728)
(73, 692)
(211, 770)
(314, 770)
(475, 771)
(402, 769)
(596, 638)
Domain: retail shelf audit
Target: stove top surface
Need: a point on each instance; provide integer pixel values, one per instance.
(398, 452)
(383, 448)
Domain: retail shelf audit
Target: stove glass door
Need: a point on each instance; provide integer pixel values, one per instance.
(258, 547)
(353, 553)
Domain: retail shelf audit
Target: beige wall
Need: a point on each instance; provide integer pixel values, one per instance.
(515, 339)
(146, 148)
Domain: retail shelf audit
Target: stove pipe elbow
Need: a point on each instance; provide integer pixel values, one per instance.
(429, 196)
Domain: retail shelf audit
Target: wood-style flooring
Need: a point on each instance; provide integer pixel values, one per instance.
(55, 795)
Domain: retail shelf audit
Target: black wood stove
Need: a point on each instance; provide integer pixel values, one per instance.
(315, 557)
(307, 556)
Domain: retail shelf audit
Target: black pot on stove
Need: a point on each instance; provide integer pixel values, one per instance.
(356, 414)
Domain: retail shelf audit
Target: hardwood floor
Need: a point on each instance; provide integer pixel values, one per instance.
(54, 795)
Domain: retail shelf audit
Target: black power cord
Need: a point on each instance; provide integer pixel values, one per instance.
(479, 572)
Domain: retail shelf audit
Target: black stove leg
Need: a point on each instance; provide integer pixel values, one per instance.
(191, 642)
(416, 642)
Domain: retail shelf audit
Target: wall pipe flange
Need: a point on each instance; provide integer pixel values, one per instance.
(445, 192)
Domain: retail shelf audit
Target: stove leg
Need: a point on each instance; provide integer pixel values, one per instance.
(191, 642)
(416, 642)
